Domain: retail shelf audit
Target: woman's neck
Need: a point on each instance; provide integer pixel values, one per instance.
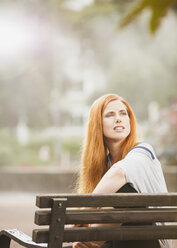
(114, 149)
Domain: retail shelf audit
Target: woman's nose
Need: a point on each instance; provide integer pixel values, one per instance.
(118, 119)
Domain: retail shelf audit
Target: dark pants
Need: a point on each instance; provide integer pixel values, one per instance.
(127, 188)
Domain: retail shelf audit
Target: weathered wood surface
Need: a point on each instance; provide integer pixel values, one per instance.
(133, 209)
(146, 232)
(105, 200)
(148, 215)
(57, 223)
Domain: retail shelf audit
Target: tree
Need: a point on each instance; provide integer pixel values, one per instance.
(159, 9)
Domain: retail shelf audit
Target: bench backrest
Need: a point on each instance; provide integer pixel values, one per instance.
(129, 208)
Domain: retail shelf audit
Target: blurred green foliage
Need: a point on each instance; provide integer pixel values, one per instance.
(135, 65)
(72, 145)
(13, 154)
(159, 9)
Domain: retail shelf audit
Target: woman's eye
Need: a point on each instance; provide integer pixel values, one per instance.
(124, 113)
(110, 114)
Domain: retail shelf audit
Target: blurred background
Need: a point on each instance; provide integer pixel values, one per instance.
(56, 58)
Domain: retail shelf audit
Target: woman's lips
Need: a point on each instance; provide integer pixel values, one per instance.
(119, 128)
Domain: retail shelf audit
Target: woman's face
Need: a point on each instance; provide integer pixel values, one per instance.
(116, 121)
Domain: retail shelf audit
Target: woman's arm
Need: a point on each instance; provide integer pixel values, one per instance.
(112, 181)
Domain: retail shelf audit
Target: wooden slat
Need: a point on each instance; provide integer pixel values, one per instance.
(111, 233)
(104, 200)
(147, 215)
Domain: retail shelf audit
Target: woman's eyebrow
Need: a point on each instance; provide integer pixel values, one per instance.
(123, 110)
(110, 112)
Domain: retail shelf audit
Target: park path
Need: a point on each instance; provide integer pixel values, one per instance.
(17, 211)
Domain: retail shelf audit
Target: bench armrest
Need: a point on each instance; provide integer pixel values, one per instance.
(21, 238)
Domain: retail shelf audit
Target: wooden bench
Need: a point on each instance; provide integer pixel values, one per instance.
(56, 211)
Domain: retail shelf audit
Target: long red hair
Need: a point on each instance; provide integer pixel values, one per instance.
(94, 154)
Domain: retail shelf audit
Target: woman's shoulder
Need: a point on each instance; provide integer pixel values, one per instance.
(147, 145)
(145, 148)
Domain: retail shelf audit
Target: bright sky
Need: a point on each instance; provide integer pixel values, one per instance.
(16, 35)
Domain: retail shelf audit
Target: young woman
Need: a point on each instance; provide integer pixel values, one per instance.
(114, 161)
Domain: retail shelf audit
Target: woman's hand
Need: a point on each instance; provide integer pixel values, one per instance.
(86, 244)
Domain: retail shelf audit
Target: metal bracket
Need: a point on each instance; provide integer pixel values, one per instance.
(21, 238)
(5, 241)
(56, 229)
